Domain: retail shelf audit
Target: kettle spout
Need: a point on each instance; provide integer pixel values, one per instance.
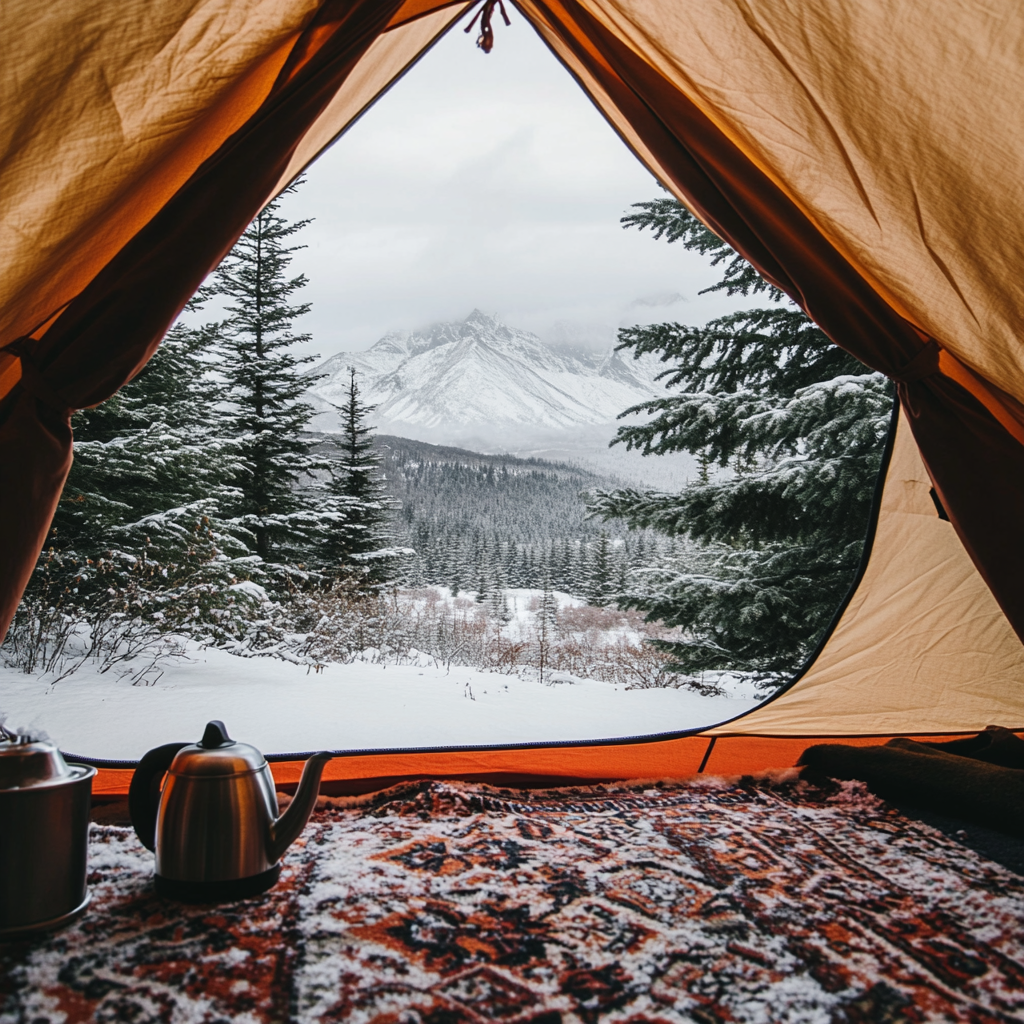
(288, 827)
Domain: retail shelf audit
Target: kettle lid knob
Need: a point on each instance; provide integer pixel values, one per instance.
(216, 735)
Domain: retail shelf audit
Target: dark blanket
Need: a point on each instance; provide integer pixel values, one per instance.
(980, 778)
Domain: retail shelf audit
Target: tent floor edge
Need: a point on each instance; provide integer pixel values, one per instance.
(731, 755)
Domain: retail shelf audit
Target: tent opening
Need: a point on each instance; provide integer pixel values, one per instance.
(483, 183)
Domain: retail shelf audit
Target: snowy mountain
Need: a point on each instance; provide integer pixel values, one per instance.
(484, 385)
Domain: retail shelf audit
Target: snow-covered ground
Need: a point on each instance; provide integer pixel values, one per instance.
(282, 707)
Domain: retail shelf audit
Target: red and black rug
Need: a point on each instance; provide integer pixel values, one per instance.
(432, 903)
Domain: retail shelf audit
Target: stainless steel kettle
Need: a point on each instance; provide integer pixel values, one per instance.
(214, 823)
(44, 834)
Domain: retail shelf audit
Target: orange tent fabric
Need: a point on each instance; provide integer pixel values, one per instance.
(540, 768)
(869, 162)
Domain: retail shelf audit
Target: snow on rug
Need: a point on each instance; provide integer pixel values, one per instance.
(769, 900)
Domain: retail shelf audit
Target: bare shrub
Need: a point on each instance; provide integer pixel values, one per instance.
(54, 633)
(129, 625)
(505, 655)
(345, 624)
(38, 638)
(402, 626)
(617, 646)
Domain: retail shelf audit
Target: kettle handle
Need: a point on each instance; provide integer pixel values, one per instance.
(144, 791)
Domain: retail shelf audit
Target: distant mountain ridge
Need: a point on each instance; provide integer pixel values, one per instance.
(465, 379)
(481, 385)
(391, 446)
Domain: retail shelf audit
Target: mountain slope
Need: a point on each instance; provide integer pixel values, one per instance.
(478, 376)
(482, 385)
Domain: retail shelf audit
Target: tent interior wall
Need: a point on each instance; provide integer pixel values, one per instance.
(868, 162)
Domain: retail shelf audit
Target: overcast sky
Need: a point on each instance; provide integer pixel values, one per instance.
(490, 181)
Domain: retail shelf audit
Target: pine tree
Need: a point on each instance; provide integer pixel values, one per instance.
(484, 572)
(517, 572)
(357, 538)
(797, 426)
(456, 570)
(621, 574)
(497, 606)
(265, 389)
(584, 567)
(151, 458)
(546, 627)
(600, 584)
(142, 513)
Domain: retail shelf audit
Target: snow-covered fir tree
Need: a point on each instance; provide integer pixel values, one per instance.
(265, 389)
(357, 541)
(795, 427)
(142, 510)
(545, 627)
(456, 575)
(151, 458)
(600, 581)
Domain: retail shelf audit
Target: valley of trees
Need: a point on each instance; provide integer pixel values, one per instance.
(484, 523)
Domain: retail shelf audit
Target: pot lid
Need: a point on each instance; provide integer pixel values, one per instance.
(26, 762)
(216, 754)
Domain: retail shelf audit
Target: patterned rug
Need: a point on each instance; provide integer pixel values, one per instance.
(769, 900)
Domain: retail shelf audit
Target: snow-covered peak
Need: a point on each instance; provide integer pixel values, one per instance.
(479, 319)
(482, 375)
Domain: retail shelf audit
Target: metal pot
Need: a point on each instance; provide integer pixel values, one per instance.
(44, 834)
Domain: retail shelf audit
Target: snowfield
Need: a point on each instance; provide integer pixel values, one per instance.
(282, 707)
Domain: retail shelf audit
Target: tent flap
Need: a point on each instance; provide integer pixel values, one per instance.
(109, 329)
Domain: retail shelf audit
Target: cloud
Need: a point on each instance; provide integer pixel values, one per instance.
(484, 181)
(661, 299)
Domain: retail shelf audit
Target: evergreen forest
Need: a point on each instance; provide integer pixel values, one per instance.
(480, 523)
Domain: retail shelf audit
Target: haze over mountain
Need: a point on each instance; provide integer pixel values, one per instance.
(483, 385)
